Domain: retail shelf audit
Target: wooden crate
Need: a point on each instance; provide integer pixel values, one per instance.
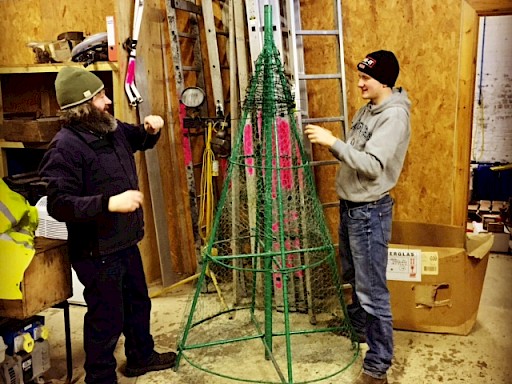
(47, 281)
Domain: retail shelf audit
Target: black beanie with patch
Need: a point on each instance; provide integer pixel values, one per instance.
(382, 66)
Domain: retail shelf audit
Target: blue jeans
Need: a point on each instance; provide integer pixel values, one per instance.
(364, 234)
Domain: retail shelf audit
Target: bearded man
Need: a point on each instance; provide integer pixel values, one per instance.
(92, 186)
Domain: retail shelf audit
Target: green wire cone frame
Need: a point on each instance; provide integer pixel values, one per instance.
(273, 310)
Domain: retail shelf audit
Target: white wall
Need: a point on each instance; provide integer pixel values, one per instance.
(492, 121)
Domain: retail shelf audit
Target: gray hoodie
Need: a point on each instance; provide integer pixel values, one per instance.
(373, 156)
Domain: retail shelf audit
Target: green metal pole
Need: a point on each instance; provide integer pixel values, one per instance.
(268, 109)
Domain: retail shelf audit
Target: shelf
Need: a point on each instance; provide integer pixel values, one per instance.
(27, 92)
(47, 68)
(32, 131)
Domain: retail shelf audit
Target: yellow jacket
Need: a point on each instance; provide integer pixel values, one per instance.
(18, 223)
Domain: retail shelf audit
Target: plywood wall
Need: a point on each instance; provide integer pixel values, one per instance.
(426, 46)
(435, 43)
(25, 21)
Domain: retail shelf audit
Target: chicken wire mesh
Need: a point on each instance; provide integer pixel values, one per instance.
(269, 290)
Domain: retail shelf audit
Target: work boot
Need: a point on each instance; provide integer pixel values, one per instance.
(364, 378)
(155, 362)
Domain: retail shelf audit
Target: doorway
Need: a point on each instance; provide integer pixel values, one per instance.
(472, 11)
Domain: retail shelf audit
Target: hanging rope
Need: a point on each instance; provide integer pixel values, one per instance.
(207, 195)
(480, 123)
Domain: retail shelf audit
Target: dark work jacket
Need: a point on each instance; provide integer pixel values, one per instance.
(83, 169)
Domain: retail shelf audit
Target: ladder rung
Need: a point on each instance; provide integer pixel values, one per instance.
(325, 32)
(320, 76)
(320, 163)
(186, 5)
(323, 119)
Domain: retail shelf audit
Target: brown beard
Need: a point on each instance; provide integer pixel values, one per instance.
(90, 118)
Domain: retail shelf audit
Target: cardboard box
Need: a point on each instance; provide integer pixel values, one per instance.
(496, 227)
(447, 298)
(46, 282)
(60, 50)
(501, 242)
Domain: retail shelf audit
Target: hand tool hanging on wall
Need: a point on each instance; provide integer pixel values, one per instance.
(130, 45)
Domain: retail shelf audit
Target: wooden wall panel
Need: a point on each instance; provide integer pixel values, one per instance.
(435, 43)
(151, 71)
(427, 47)
(153, 46)
(464, 117)
(123, 12)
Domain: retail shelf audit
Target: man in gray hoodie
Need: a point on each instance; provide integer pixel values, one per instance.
(371, 161)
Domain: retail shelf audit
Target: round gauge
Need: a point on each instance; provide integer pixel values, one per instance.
(192, 97)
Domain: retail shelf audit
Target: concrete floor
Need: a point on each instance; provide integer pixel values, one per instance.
(482, 357)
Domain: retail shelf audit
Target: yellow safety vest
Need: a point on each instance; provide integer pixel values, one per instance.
(18, 223)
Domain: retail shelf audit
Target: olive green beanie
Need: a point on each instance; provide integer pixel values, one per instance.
(75, 85)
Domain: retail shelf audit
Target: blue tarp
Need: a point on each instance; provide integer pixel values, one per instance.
(491, 185)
